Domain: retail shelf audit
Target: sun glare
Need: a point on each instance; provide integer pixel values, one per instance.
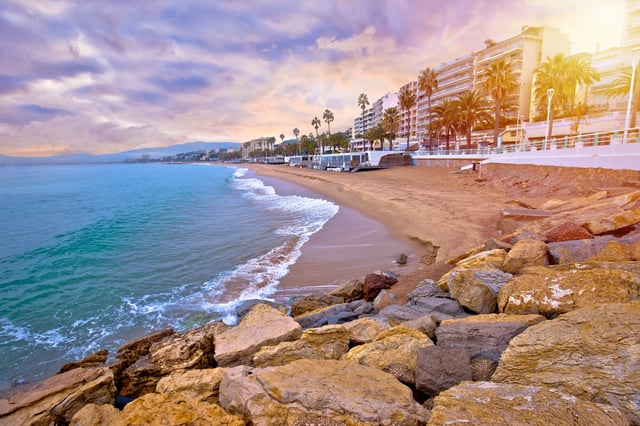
(596, 25)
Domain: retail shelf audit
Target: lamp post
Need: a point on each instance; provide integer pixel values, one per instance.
(635, 56)
(549, 97)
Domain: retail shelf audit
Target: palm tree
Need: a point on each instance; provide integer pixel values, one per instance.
(428, 83)
(446, 118)
(363, 102)
(501, 84)
(407, 100)
(316, 123)
(327, 116)
(296, 133)
(391, 124)
(561, 74)
(281, 137)
(473, 110)
(620, 87)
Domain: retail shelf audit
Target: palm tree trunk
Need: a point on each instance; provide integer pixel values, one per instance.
(429, 125)
(409, 131)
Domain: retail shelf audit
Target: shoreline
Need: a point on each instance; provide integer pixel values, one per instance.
(349, 246)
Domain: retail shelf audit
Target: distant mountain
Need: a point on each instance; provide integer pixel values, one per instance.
(152, 153)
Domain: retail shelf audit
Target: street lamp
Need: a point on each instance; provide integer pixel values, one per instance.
(549, 96)
(635, 56)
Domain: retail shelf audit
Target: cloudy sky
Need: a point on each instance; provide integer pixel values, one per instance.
(101, 76)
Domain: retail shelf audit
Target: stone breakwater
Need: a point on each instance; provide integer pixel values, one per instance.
(539, 327)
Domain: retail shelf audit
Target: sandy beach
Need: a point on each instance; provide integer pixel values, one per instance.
(405, 209)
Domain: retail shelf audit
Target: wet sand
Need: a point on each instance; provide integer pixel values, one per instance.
(411, 206)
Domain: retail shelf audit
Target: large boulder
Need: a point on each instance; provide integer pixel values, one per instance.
(263, 326)
(438, 307)
(551, 291)
(201, 385)
(440, 368)
(525, 253)
(328, 342)
(174, 408)
(318, 392)
(567, 231)
(364, 330)
(374, 283)
(484, 403)
(477, 288)
(483, 335)
(176, 351)
(56, 399)
(605, 248)
(95, 415)
(304, 304)
(95, 359)
(494, 258)
(348, 290)
(592, 353)
(335, 314)
(394, 350)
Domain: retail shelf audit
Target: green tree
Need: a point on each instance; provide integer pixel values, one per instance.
(428, 83)
(281, 137)
(338, 141)
(446, 118)
(473, 110)
(327, 116)
(296, 132)
(316, 124)
(375, 133)
(621, 86)
(391, 124)
(407, 100)
(501, 84)
(307, 144)
(561, 74)
(363, 103)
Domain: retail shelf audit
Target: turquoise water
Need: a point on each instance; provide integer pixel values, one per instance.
(95, 255)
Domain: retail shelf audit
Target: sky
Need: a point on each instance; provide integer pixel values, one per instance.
(104, 76)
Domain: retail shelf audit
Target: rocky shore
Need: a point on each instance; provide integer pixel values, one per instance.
(538, 326)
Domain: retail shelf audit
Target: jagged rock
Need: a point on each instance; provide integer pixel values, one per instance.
(349, 290)
(312, 302)
(525, 253)
(402, 259)
(56, 399)
(428, 288)
(134, 349)
(139, 378)
(567, 231)
(438, 307)
(577, 250)
(483, 335)
(493, 258)
(189, 349)
(477, 288)
(616, 251)
(174, 408)
(573, 203)
(319, 392)
(551, 291)
(384, 298)
(592, 353)
(364, 330)
(95, 415)
(427, 324)
(263, 326)
(396, 346)
(186, 350)
(373, 283)
(335, 314)
(94, 360)
(484, 403)
(246, 305)
(599, 217)
(328, 342)
(613, 222)
(440, 368)
(199, 385)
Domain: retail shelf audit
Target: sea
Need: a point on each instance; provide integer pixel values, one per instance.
(92, 256)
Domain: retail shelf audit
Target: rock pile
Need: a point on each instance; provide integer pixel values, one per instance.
(542, 326)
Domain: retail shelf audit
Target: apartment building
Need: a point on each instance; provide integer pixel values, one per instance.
(259, 144)
(372, 117)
